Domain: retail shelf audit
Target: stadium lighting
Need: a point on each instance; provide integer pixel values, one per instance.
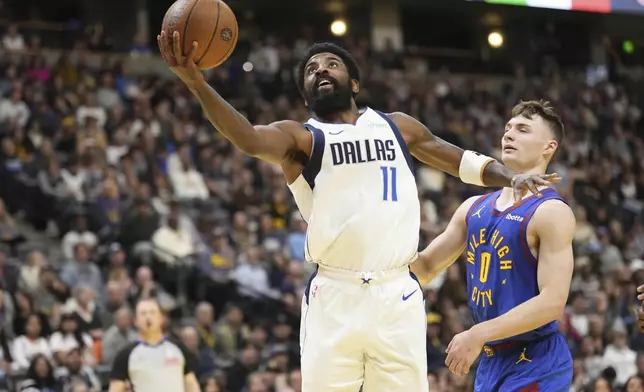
(495, 39)
(339, 27)
(248, 66)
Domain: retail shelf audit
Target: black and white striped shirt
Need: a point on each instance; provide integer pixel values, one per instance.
(154, 368)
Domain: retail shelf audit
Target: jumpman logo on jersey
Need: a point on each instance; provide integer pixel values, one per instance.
(478, 213)
(523, 357)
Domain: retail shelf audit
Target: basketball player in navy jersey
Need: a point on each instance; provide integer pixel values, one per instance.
(350, 172)
(519, 264)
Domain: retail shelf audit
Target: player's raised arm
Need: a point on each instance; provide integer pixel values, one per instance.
(471, 167)
(271, 142)
(444, 249)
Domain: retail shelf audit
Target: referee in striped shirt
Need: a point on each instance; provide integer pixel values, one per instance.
(153, 363)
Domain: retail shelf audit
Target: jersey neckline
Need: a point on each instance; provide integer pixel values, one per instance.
(315, 122)
(497, 212)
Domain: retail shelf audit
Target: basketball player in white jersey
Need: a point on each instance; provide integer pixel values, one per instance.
(363, 319)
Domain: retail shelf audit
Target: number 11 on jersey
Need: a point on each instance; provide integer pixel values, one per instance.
(389, 183)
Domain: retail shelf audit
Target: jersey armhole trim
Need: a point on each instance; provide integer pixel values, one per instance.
(525, 246)
(313, 166)
(474, 205)
(400, 139)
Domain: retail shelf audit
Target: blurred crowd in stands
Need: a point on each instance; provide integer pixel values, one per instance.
(115, 188)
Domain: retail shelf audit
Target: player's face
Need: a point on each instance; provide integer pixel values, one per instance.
(527, 143)
(148, 316)
(327, 87)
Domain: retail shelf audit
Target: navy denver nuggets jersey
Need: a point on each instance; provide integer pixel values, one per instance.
(501, 270)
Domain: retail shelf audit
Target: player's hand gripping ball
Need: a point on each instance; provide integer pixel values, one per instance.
(211, 24)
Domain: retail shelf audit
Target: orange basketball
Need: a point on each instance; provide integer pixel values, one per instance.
(209, 22)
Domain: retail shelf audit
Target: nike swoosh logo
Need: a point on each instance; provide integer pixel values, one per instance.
(336, 133)
(406, 297)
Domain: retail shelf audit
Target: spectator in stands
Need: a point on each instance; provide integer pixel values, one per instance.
(5, 355)
(172, 242)
(40, 377)
(205, 356)
(145, 287)
(50, 294)
(296, 238)
(69, 337)
(139, 225)
(83, 305)
(252, 277)
(9, 232)
(9, 270)
(589, 357)
(32, 343)
(231, 330)
(618, 355)
(74, 370)
(13, 40)
(38, 70)
(74, 177)
(90, 109)
(55, 195)
(210, 385)
(246, 363)
(81, 270)
(24, 309)
(290, 382)
(30, 272)
(215, 267)
(634, 384)
(79, 234)
(205, 316)
(90, 137)
(14, 109)
(117, 336)
(108, 210)
(115, 300)
(600, 384)
(187, 183)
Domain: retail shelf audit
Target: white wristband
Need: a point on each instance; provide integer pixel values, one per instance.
(472, 165)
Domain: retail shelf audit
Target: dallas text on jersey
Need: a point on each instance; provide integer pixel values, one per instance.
(362, 151)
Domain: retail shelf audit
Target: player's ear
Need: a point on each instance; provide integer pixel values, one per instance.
(355, 86)
(551, 147)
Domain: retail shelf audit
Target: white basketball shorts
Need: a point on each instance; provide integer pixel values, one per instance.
(363, 330)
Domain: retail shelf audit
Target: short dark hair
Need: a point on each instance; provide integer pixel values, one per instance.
(327, 47)
(546, 111)
(154, 300)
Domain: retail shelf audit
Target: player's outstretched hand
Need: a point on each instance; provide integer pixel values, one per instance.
(462, 351)
(182, 65)
(532, 182)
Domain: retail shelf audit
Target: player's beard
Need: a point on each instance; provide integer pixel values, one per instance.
(326, 103)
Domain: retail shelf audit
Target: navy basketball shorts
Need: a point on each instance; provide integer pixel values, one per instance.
(544, 364)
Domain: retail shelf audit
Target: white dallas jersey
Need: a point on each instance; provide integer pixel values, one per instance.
(358, 195)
